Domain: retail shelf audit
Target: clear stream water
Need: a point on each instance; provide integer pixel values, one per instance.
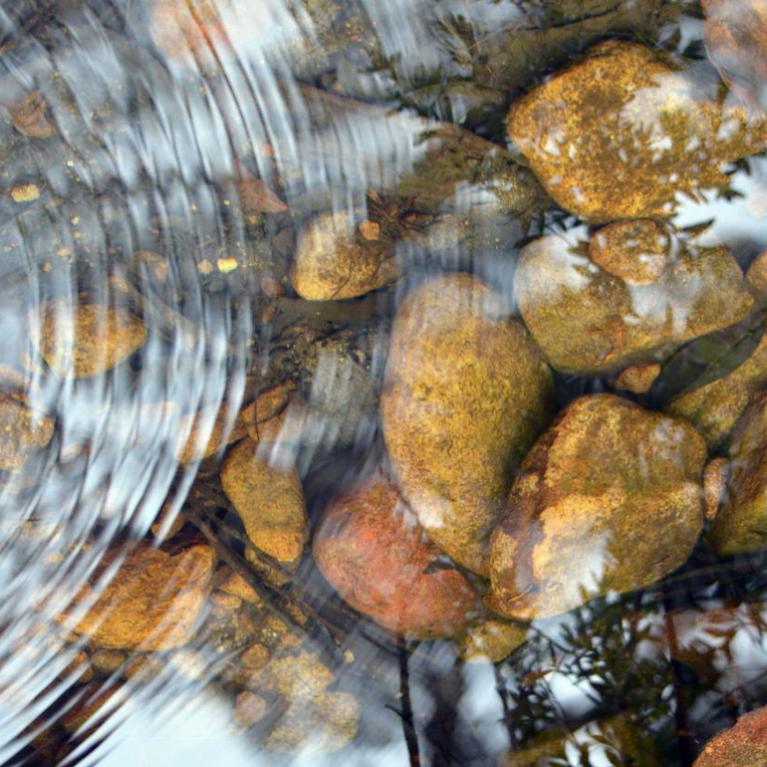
(126, 188)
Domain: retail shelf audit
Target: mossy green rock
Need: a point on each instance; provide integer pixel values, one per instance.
(466, 393)
(624, 131)
(588, 319)
(716, 406)
(609, 499)
(741, 524)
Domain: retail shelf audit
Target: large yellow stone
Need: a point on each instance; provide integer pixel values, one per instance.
(608, 500)
(597, 316)
(625, 130)
(333, 260)
(153, 602)
(466, 392)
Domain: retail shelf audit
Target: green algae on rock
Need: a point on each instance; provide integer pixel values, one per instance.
(741, 523)
(371, 549)
(609, 499)
(625, 130)
(625, 300)
(466, 392)
(742, 745)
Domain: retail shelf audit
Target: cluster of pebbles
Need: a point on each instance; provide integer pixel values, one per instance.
(491, 502)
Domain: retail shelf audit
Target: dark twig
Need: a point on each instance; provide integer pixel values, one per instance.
(406, 710)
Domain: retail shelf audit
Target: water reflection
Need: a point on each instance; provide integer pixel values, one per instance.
(230, 234)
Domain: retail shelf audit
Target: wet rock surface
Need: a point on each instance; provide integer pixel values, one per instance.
(624, 131)
(633, 304)
(269, 500)
(152, 603)
(371, 548)
(716, 406)
(466, 392)
(740, 523)
(88, 340)
(22, 429)
(336, 259)
(736, 38)
(251, 251)
(575, 525)
(745, 743)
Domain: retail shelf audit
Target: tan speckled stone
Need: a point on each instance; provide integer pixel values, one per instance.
(608, 499)
(492, 640)
(152, 603)
(625, 130)
(745, 743)
(588, 320)
(757, 274)
(636, 251)
(21, 430)
(638, 379)
(715, 407)
(715, 485)
(741, 524)
(466, 392)
(270, 502)
(89, 340)
(333, 260)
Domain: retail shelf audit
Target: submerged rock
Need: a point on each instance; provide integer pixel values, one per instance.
(21, 430)
(745, 743)
(623, 131)
(336, 259)
(466, 392)
(87, 339)
(633, 304)
(757, 275)
(270, 502)
(716, 406)
(736, 41)
(316, 718)
(609, 499)
(372, 550)
(638, 379)
(492, 640)
(715, 485)
(210, 430)
(153, 602)
(741, 524)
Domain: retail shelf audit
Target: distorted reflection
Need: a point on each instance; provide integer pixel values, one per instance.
(383, 383)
